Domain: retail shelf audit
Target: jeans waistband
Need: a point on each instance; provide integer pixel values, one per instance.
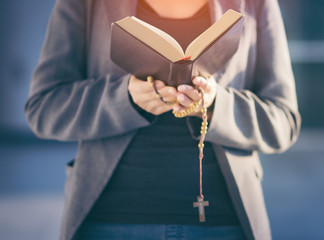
(96, 231)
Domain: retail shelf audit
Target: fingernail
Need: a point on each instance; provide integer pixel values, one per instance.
(181, 97)
(184, 88)
(159, 84)
(172, 91)
(197, 80)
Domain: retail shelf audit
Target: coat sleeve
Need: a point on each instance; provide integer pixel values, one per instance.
(264, 118)
(63, 103)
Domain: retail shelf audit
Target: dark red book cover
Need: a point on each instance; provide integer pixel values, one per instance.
(139, 59)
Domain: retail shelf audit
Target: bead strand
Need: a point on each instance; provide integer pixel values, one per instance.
(187, 111)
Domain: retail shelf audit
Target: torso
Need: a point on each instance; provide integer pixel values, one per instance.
(158, 185)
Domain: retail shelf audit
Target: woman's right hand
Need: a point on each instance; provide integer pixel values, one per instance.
(144, 95)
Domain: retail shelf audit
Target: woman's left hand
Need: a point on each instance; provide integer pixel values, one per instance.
(187, 94)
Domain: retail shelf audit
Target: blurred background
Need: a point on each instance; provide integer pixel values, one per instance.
(32, 171)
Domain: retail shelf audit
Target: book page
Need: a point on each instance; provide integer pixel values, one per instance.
(197, 46)
(155, 38)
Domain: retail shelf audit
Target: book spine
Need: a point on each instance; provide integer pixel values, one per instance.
(180, 73)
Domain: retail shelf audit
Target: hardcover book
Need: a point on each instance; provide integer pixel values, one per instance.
(142, 49)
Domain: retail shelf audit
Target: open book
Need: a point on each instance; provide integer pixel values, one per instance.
(142, 49)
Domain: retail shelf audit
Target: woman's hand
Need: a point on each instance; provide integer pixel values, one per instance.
(146, 98)
(187, 94)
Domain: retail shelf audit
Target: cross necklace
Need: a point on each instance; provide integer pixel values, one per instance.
(200, 199)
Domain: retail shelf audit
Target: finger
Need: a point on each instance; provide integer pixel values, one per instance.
(202, 82)
(184, 100)
(190, 91)
(157, 107)
(168, 93)
(178, 108)
(162, 91)
(139, 85)
(159, 84)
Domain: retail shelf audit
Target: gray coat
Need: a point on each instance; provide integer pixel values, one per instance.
(78, 94)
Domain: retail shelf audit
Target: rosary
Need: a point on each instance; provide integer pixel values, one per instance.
(196, 106)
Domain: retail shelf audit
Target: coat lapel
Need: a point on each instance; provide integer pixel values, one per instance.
(123, 9)
(218, 8)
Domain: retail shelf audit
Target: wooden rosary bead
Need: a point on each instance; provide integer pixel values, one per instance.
(201, 145)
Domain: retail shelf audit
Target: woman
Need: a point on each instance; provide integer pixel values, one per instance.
(135, 175)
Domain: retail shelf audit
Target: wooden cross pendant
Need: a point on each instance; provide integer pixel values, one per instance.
(201, 204)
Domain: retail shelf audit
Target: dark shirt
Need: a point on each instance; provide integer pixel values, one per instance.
(157, 179)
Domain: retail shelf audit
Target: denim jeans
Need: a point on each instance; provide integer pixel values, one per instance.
(103, 231)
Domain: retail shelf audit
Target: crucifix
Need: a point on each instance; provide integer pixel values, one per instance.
(201, 204)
